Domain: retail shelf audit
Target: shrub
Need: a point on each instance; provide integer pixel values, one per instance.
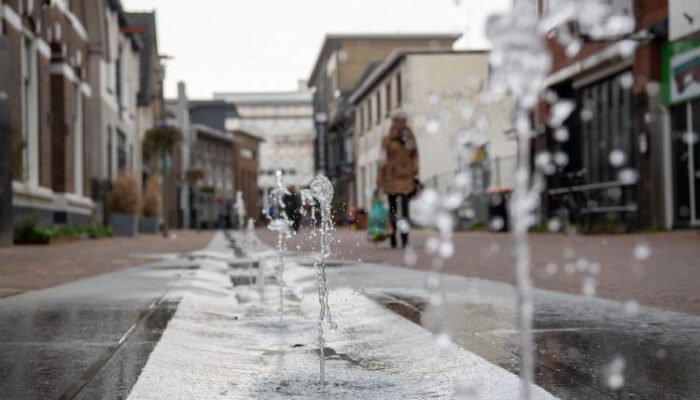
(28, 232)
(152, 198)
(125, 197)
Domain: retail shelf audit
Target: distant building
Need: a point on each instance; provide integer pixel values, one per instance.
(246, 168)
(113, 63)
(341, 63)
(626, 135)
(284, 121)
(46, 86)
(439, 90)
(150, 111)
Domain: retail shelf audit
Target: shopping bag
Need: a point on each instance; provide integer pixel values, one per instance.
(378, 217)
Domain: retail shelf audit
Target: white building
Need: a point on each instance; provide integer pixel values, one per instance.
(284, 120)
(439, 90)
(113, 62)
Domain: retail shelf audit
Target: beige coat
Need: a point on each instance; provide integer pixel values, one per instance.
(396, 175)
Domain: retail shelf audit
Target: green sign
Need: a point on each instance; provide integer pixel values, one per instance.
(681, 71)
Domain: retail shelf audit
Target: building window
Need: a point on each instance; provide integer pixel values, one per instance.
(110, 174)
(361, 120)
(118, 76)
(399, 91)
(379, 107)
(78, 151)
(30, 112)
(388, 99)
(369, 113)
(121, 150)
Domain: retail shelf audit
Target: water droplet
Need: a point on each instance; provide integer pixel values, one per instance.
(433, 126)
(652, 88)
(631, 307)
(403, 225)
(617, 158)
(628, 176)
(447, 249)
(626, 80)
(342, 56)
(614, 373)
(554, 224)
(431, 245)
(642, 251)
(497, 223)
(551, 268)
(690, 138)
(410, 257)
(560, 112)
(561, 158)
(561, 135)
(589, 286)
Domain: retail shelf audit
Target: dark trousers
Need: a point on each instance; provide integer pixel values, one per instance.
(398, 208)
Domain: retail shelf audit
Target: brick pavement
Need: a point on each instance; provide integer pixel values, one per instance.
(25, 268)
(668, 279)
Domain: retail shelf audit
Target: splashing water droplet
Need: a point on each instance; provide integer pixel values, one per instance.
(628, 176)
(554, 224)
(561, 135)
(631, 307)
(561, 158)
(560, 112)
(496, 223)
(642, 251)
(410, 257)
(691, 138)
(589, 286)
(617, 158)
(447, 249)
(403, 225)
(433, 126)
(551, 268)
(614, 373)
(626, 80)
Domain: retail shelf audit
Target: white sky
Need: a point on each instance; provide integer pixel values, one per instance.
(267, 45)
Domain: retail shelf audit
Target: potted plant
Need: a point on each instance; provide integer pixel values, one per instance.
(124, 204)
(152, 206)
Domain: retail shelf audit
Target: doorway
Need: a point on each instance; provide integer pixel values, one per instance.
(685, 122)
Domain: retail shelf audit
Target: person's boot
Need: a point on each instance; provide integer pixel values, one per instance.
(392, 239)
(404, 240)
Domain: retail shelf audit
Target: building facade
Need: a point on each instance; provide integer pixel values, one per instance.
(46, 89)
(113, 61)
(150, 107)
(439, 90)
(342, 61)
(284, 121)
(246, 168)
(620, 152)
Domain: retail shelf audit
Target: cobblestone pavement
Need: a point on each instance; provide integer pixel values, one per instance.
(659, 270)
(25, 268)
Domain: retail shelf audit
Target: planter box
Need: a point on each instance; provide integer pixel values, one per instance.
(124, 224)
(148, 225)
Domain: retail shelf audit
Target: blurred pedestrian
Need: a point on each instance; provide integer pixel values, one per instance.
(292, 203)
(397, 172)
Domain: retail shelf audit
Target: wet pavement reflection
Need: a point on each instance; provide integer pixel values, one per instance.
(88, 339)
(576, 346)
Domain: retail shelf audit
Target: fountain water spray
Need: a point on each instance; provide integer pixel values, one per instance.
(240, 210)
(283, 226)
(322, 191)
(520, 62)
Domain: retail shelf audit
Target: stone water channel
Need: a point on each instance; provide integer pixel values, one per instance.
(227, 341)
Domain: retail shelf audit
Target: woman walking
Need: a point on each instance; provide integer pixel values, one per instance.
(396, 175)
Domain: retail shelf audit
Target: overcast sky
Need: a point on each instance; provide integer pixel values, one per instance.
(267, 45)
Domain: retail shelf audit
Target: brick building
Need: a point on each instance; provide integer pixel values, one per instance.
(246, 167)
(618, 146)
(47, 89)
